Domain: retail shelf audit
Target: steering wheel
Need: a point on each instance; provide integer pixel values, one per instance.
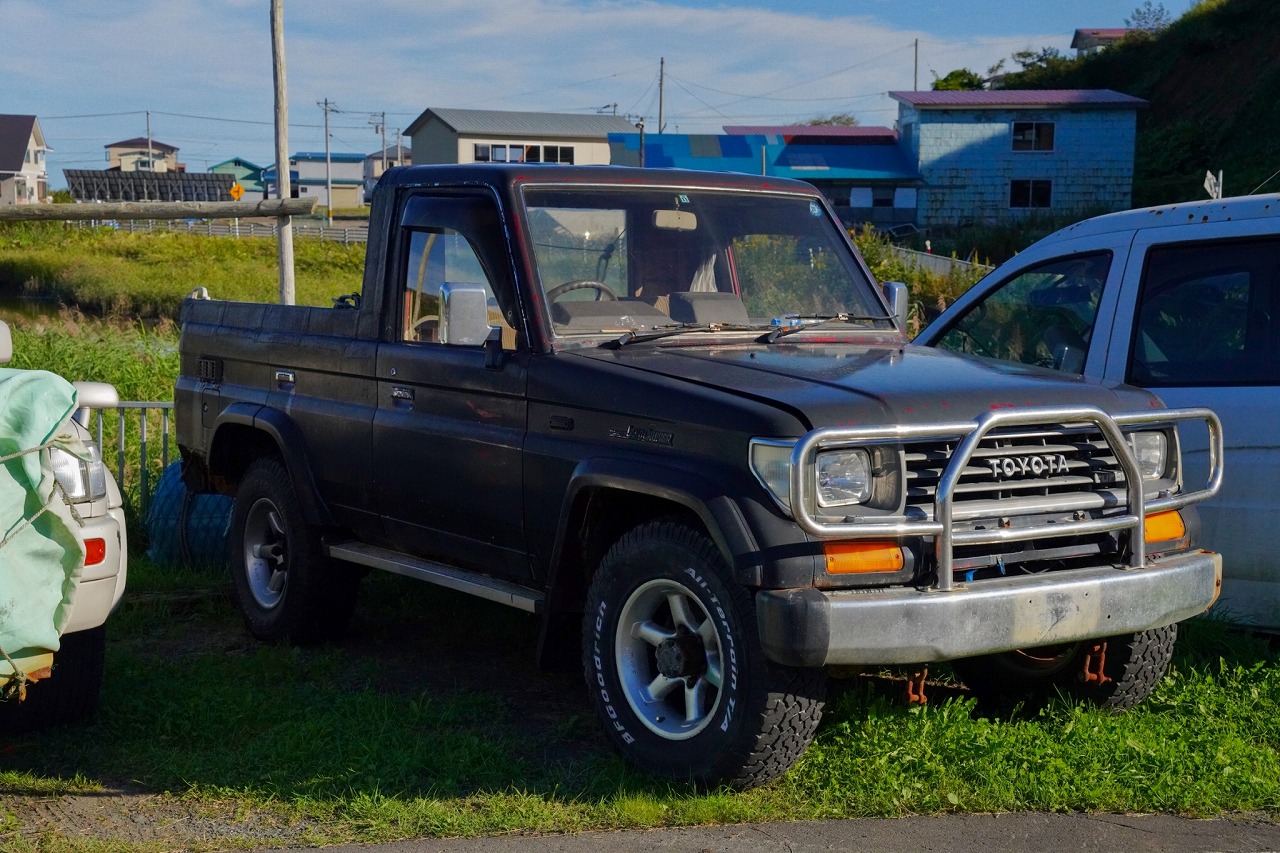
(605, 294)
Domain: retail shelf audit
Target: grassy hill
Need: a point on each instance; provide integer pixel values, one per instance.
(1213, 81)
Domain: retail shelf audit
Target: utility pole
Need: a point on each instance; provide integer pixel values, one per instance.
(380, 126)
(915, 76)
(284, 184)
(151, 164)
(662, 79)
(640, 125)
(328, 166)
(399, 149)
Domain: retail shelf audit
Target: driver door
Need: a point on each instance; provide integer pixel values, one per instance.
(449, 431)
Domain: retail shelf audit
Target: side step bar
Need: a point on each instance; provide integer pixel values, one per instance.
(450, 577)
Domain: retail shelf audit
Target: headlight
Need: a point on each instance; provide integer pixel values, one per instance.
(81, 479)
(844, 477)
(1151, 449)
(771, 463)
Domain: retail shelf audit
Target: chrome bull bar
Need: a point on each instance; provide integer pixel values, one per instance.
(970, 435)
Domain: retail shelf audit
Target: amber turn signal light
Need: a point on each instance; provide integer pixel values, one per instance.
(95, 551)
(1165, 527)
(852, 558)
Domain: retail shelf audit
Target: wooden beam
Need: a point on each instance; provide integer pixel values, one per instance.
(273, 207)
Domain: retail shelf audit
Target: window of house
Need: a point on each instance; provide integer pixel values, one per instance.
(1031, 194)
(1033, 135)
(1209, 314)
(487, 152)
(882, 196)
(1042, 315)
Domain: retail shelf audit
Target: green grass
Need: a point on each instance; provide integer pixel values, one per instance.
(380, 738)
(430, 720)
(105, 272)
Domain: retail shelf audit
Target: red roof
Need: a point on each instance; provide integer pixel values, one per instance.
(1087, 38)
(801, 131)
(1023, 98)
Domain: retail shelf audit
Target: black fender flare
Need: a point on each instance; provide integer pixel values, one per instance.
(290, 444)
(718, 513)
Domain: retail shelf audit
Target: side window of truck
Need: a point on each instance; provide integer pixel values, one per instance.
(1043, 315)
(1207, 315)
(442, 242)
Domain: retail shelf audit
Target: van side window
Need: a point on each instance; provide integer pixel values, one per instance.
(1207, 315)
(1043, 315)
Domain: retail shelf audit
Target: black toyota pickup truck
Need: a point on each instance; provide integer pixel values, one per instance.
(671, 414)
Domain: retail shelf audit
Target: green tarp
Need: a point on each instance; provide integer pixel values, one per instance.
(41, 552)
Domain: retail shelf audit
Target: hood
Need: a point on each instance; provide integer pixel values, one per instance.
(840, 384)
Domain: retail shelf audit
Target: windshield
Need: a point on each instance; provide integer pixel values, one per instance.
(612, 260)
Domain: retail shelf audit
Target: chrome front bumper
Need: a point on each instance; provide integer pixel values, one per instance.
(812, 627)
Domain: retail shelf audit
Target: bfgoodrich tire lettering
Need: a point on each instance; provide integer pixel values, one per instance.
(287, 589)
(675, 670)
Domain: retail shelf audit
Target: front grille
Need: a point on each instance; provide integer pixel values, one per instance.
(1020, 471)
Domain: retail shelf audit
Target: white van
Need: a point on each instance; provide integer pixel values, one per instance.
(1183, 299)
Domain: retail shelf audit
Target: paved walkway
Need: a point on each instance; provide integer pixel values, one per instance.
(947, 834)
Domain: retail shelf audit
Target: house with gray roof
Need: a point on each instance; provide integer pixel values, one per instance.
(993, 155)
(443, 135)
(24, 177)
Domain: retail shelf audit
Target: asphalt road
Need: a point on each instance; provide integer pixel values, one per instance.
(1003, 833)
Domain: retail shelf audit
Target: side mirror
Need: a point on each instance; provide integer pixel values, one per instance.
(94, 395)
(464, 314)
(895, 293)
(6, 343)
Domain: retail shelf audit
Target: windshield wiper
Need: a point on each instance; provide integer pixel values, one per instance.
(816, 320)
(634, 337)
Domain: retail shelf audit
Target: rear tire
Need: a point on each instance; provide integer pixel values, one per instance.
(286, 587)
(70, 694)
(675, 670)
(1134, 665)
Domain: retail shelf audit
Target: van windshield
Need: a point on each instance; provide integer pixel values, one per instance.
(619, 259)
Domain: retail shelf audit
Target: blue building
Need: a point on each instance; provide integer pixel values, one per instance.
(989, 156)
(956, 158)
(862, 171)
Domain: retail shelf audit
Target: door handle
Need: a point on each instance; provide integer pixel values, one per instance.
(284, 378)
(398, 393)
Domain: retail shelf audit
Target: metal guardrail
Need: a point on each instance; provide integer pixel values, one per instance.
(937, 264)
(123, 412)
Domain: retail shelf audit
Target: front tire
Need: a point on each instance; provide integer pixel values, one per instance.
(675, 670)
(286, 587)
(1132, 664)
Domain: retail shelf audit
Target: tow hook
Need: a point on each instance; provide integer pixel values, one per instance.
(1094, 670)
(915, 686)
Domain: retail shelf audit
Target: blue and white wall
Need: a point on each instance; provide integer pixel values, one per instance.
(967, 162)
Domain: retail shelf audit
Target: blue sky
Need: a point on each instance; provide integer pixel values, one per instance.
(92, 70)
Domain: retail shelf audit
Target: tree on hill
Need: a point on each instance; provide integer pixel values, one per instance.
(960, 80)
(1149, 17)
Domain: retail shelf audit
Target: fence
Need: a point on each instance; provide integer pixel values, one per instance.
(937, 264)
(223, 228)
(134, 423)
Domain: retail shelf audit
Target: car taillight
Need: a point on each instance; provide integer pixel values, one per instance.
(95, 551)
